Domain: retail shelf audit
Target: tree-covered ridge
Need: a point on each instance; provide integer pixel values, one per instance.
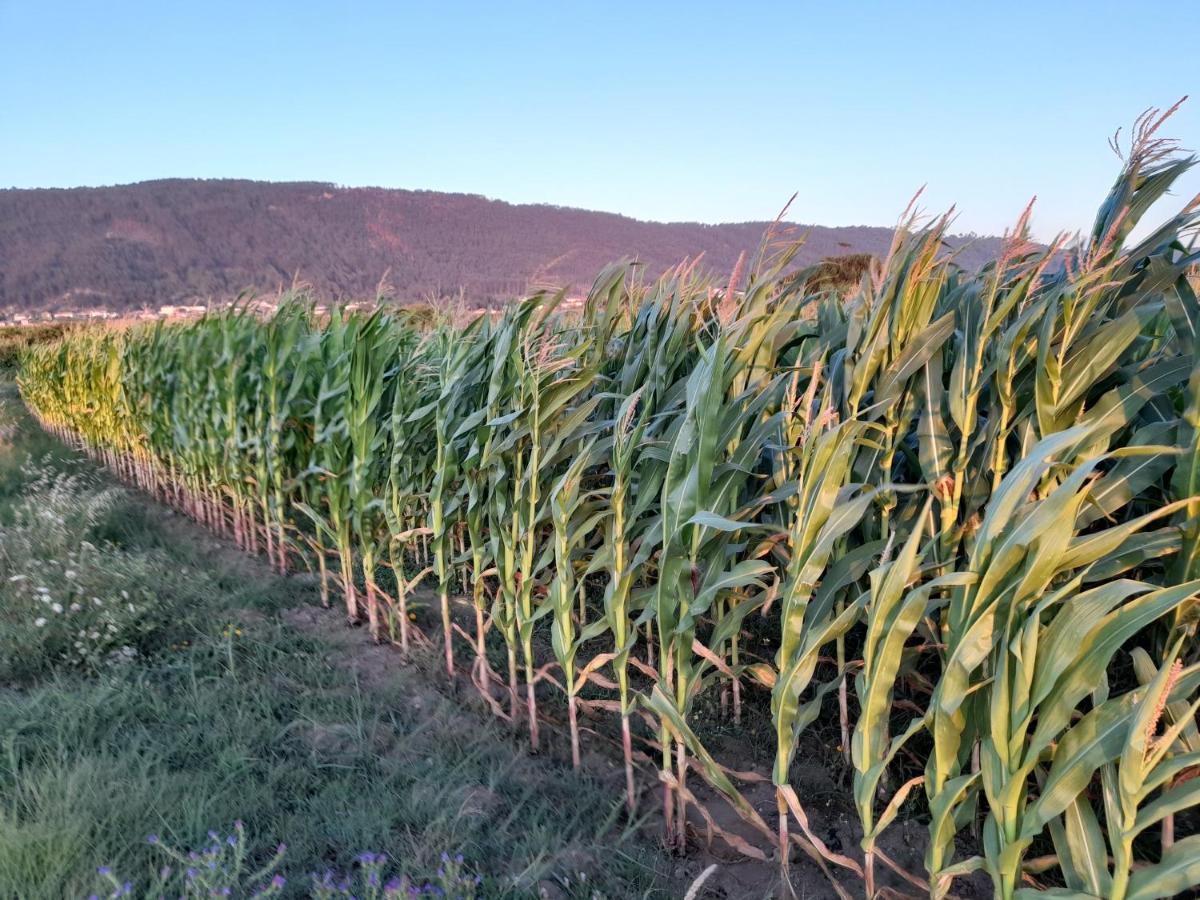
(164, 242)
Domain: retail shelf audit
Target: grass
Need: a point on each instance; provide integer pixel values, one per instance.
(235, 711)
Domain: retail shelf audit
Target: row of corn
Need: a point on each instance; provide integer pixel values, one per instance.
(955, 515)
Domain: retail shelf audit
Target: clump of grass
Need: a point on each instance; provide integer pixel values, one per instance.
(71, 600)
(24, 446)
(261, 728)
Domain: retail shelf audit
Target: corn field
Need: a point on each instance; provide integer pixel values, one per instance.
(953, 515)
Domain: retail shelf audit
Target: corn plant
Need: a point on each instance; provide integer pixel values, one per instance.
(408, 475)
(574, 516)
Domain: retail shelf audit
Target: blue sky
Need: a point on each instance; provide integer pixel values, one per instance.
(705, 111)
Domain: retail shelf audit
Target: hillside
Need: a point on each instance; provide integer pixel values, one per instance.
(175, 240)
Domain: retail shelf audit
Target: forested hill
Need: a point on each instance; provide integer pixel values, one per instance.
(176, 240)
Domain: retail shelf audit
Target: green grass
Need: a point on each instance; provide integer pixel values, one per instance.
(277, 726)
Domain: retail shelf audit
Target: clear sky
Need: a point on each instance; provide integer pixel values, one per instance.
(667, 111)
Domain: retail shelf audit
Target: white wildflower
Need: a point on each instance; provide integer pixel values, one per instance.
(123, 655)
(39, 622)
